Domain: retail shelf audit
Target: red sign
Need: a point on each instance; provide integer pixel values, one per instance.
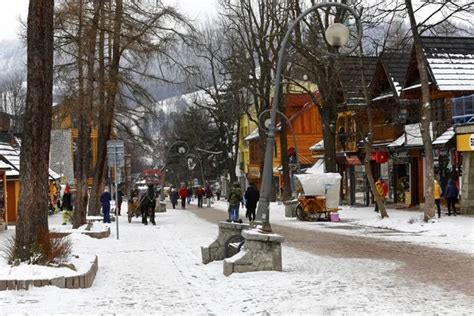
(152, 172)
(379, 156)
(154, 176)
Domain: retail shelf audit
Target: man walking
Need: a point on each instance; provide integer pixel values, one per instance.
(105, 201)
(234, 198)
(251, 198)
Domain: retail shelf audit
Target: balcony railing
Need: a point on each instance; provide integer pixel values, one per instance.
(463, 109)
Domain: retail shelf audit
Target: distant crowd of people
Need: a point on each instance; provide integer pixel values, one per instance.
(235, 198)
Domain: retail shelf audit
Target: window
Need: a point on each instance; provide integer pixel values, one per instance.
(438, 110)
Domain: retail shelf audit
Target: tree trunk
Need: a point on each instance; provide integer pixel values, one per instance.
(32, 230)
(368, 141)
(429, 209)
(85, 122)
(105, 122)
(98, 180)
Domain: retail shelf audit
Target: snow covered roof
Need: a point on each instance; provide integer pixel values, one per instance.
(318, 146)
(12, 157)
(351, 81)
(451, 61)
(445, 137)
(411, 137)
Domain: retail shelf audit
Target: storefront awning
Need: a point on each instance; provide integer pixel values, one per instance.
(445, 137)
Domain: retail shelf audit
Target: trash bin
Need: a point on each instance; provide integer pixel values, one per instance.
(290, 208)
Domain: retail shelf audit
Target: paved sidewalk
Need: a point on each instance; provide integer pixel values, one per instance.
(450, 270)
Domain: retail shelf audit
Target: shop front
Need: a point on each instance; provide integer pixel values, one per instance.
(465, 145)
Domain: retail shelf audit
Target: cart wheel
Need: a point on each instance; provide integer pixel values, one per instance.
(300, 214)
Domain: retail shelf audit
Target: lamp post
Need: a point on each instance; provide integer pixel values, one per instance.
(336, 35)
(182, 149)
(288, 122)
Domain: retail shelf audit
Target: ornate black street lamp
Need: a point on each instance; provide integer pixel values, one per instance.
(337, 36)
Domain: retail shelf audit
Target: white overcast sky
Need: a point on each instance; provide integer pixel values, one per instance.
(11, 10)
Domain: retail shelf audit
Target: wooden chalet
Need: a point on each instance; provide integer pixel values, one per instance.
(10, 157)
(306, 127)
(390, 113)
(351, 108)
(451, 75)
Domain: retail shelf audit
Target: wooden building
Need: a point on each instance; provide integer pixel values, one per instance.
(451, 74)
(305, 129)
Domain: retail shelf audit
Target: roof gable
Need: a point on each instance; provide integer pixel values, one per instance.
(450, 63)
(351, 81)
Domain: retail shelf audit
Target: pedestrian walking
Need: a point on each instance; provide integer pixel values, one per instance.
(66, 206)
(251, 198)
(200, 196)
(190, 195)
(234, 198)
(183, 193)
(119, 200)
(173, 196)
(105, 201)
(218, 194)
(452, 193)
(382, 190)
(437, 192)
(208, 194)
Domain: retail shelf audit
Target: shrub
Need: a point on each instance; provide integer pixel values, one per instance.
(58, 252)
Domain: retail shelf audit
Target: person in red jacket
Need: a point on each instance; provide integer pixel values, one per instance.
(183, 193)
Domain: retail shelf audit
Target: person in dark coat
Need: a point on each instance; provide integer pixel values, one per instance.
(105, 201)
(119, 200)
(251, 198)
(451, 195)
(234, 198)
(208, 194)
(173, 196)
(67, 204)
(67, 199)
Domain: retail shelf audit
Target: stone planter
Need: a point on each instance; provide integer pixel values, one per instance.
(217, 249)
(81, 281)
(161, 207)
(97, 235)
(290, 208)
(261, 252)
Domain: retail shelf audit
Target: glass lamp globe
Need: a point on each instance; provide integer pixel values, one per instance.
(337, 35)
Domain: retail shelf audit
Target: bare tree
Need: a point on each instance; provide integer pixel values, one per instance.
(32, 232)
(13, 98)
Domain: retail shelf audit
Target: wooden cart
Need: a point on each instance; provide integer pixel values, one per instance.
(318, 196)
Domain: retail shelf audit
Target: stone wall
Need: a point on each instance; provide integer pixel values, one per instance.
(97, 235)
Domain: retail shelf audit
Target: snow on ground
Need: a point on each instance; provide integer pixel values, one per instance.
(448, 232)
(158, 270)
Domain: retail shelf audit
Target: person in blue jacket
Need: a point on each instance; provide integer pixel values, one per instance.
(105, 201)
(451, 195)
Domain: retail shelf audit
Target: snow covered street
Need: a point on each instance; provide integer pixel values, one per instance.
(158, 270)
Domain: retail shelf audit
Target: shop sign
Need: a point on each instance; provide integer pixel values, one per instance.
(379, 156)
(465, 142)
